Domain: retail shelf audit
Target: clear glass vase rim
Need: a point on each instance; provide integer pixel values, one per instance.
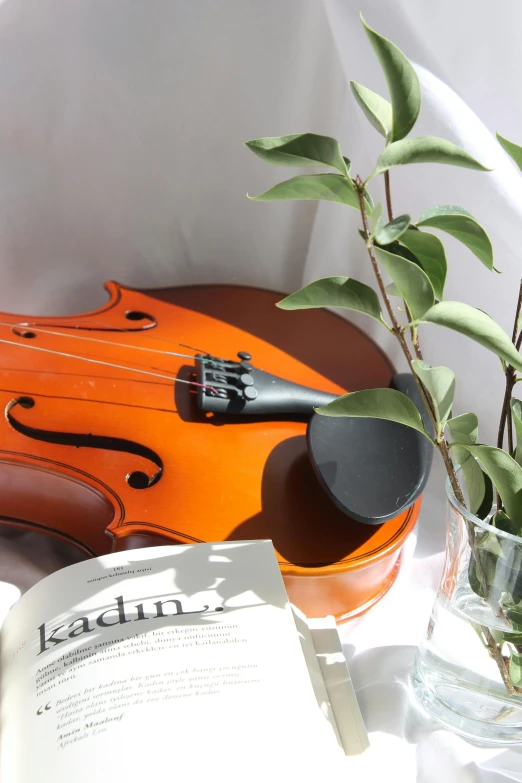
(475, 520)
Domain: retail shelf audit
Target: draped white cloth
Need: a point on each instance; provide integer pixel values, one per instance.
(121, 130)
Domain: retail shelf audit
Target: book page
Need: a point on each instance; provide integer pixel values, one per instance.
(331, 680)
(314, 669)
(172, 660)
(338, 685)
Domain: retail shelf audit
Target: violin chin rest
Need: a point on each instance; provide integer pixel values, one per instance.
(372, 469)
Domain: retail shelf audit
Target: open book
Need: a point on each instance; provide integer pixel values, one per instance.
(174, 662)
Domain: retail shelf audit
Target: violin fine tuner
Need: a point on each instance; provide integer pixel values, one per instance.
(238, 388)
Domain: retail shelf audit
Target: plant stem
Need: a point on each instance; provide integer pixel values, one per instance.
(517, 315)
(445, 454)
(414, 334)
(506, 415)
(510, 382)
(388, 194)
(369, 244)
(511, 377)
(495, 652)
(509, 418)
(389, 207)
(440, 442)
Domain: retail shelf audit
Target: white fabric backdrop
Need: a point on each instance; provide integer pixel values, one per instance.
(121, 130)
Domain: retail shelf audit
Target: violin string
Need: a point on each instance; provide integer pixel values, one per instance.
(152, 337)
(103, 342)
(156, 339)
(34, 324)
(107, 364)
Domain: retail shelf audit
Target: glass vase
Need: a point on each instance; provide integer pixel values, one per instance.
(468, 669)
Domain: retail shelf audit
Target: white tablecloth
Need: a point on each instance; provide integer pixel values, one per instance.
(405, 744)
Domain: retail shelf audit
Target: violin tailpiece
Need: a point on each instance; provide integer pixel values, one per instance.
(238, 388)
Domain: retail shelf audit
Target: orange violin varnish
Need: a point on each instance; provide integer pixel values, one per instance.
(104, 448)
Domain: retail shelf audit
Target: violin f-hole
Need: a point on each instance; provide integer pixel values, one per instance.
(25, 333)
(136, 479)
(143, 321)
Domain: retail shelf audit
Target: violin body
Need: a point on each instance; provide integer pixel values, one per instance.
(103, 443)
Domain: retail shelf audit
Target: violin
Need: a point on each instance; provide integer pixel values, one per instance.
(179, 416)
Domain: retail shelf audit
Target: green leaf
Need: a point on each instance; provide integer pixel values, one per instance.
(463, 428)
(386, 404)
(482, 508)
(429, 251)
(502, 522)
(392, 230)
(403, 252)
(311, 187)
(515, 616)
(501, 565)
(440, 383)
(513, 150)
(403, 83)
(505, 474)
(475, 324)
(300, 149)
(375, 219)
(376, 109)
(392, 290)
(369, 202)
(488, 566)
(514, 584)
(514, 638)
(478, 483)
(335, 292)
(425, 149)
(502, 570)
(516, 411)
(515, 669)
(489, 542)
(460, 224)
(414, 285)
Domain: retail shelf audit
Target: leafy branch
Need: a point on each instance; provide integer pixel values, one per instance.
(414, 259)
